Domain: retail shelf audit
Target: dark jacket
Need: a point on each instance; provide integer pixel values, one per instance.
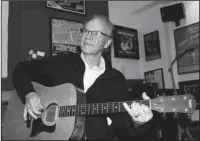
(110, 86)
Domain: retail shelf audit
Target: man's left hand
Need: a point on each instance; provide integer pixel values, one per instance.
(140, 113)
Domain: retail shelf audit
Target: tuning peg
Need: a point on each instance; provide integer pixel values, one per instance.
(176, 116)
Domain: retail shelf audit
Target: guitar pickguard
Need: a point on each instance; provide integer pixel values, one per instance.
(38, 127)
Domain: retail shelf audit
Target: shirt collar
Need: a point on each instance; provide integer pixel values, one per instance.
(99, 67)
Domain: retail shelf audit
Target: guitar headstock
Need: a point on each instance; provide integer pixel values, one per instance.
(174, 104)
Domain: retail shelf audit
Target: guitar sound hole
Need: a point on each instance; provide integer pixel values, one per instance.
(51, 113)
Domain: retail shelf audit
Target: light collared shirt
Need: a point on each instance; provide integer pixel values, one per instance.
(91, 73)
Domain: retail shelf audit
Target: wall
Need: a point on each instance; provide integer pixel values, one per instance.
(146, 22)
(119, 13)
(29, 28)
(4, 53)
(29, 14)
(192, 16)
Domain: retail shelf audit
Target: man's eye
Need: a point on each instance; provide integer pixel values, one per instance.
(94, 33)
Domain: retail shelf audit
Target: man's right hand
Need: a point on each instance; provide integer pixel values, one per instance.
(32, 105)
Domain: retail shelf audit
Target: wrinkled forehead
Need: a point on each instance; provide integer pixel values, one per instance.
(97, 25)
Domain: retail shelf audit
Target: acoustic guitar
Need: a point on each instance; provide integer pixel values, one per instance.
(65, 108)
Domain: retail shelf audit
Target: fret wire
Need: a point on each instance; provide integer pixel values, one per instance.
(79, 110)
(96, 108)
(85, 110)
(66, 112)
(92, 108)
(102, 108)
(63, 111)
(69, 110)
(60, 111)
(113, 107)
(119, 106)
(74, 110)
(107, 107)
(89, 109)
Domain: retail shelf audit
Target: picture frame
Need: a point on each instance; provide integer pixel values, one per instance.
(126, 43)
(190, 87)
(78, 7)
(155, 76)
(65, 36)
(187, 38)
(152, 46)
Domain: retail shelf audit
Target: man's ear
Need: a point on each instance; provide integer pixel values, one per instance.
(107, 44)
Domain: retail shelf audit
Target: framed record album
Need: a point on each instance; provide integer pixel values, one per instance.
(126, 43)
(152, 46)
(155, 76)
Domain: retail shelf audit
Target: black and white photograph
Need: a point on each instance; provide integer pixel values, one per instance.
(155, 76)
(77, 7)
(152, 46)
(126, 43)
(191, 87)
(100, 70)
(187, 47)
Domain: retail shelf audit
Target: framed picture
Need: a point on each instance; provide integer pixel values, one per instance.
(152, 46)
(155, 76)
(190, 87)
(126, 43)
(65, 36)
(187, 38)
(69, 6)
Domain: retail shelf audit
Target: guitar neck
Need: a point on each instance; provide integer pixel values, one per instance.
(97, 108)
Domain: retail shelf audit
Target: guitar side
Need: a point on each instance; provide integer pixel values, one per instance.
(65, 128)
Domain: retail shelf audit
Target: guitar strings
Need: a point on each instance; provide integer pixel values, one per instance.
(87, 109)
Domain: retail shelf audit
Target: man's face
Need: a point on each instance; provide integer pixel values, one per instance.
(92, 44)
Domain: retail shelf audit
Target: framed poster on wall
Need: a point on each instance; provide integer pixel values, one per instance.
(155, 76)
(187, 38)
(152, 46)
(191, 87)
(69, 6)
(65, 35)
(126, 43)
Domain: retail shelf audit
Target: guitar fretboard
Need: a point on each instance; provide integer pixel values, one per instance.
(96, 108)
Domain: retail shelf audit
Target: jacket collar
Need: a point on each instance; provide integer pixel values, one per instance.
(108, 71)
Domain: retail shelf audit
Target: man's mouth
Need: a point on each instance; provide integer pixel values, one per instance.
(88, 44)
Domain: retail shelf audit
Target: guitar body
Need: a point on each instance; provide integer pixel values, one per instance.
(65, 128)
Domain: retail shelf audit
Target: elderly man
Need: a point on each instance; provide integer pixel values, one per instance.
(90, 72)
